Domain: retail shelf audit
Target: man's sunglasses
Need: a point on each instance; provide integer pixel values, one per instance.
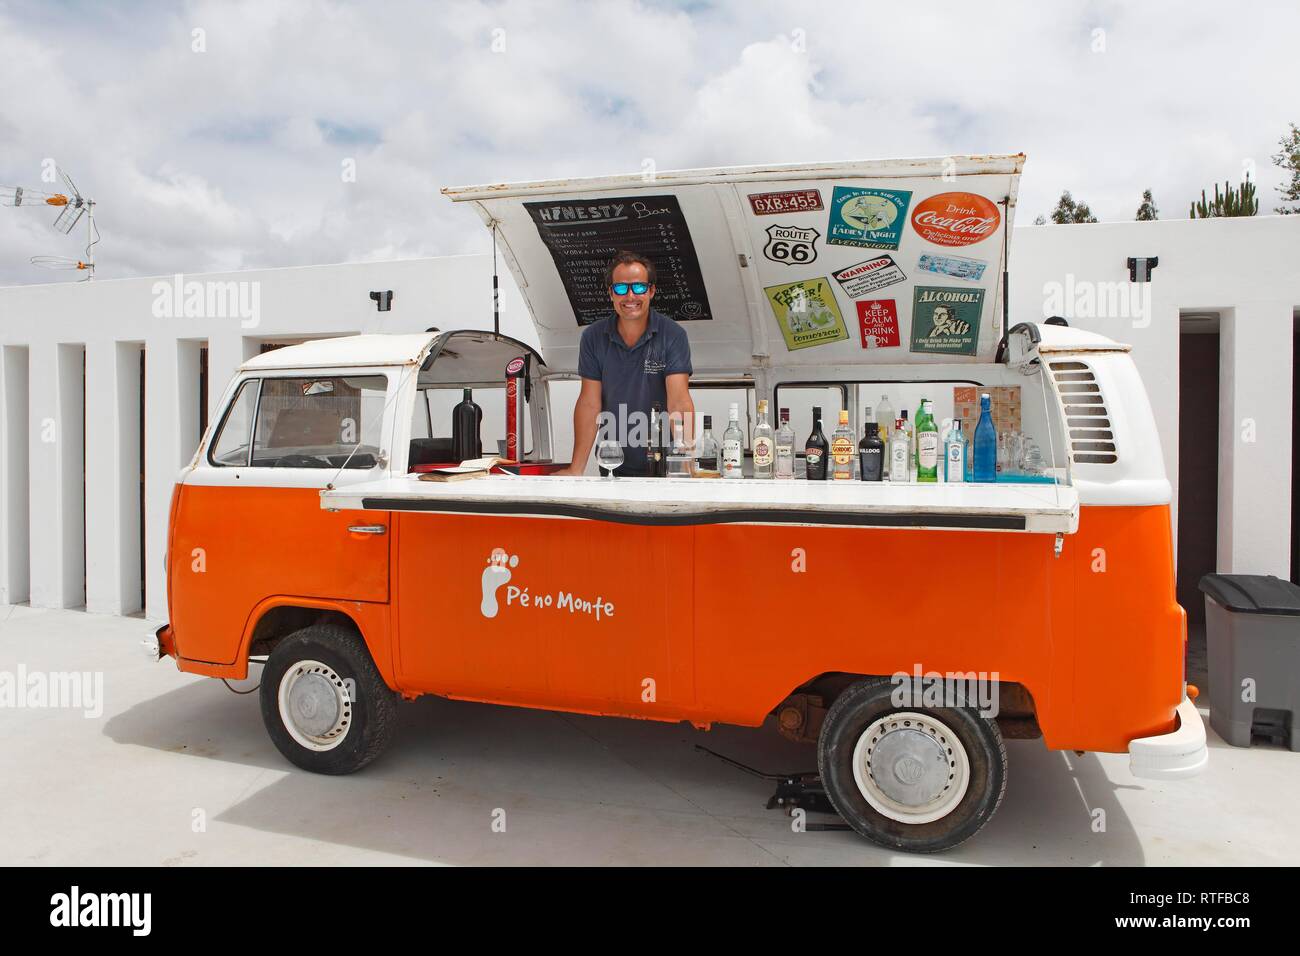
(637, 288)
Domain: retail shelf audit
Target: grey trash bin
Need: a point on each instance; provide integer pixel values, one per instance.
(1252, 632)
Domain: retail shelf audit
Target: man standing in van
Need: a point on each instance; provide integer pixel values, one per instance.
(629, 362)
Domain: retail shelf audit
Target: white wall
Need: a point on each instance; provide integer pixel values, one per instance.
(1245, 269)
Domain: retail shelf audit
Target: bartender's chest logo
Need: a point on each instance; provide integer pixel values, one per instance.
(653, 366)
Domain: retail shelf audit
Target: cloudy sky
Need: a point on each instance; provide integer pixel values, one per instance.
(219, 135)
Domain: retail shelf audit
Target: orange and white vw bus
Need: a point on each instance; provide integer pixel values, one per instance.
(904, 629)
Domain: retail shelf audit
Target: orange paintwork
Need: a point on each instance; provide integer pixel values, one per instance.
(254, 543)
(709, 623)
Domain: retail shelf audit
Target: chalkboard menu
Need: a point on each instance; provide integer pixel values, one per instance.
(583, 235)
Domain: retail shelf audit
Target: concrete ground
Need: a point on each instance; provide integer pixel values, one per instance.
(178, 771)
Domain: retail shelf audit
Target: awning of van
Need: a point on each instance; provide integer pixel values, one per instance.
(872, 262)
(1036, 508)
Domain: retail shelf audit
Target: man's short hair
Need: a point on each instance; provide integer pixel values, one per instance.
(625, 258)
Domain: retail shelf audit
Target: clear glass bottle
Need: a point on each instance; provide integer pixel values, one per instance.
(764, 444)
(900, 454)
(885, 415)
(842, 449)
(706, 458)
(785, 447)
(733, 446)
(954, 453)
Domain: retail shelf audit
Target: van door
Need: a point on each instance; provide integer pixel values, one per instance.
(249, 525)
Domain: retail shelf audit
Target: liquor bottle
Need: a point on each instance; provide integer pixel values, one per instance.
(842, 449)
(900, 454)
(707, 459)
(954, 453)
(927, 444)
(658, 454)
(764, 445)
(911, 440)
(733, 446)
(785, 447)
(885, 415)
(466, 441)
(816, 449)
(984, 455)
(871, 451)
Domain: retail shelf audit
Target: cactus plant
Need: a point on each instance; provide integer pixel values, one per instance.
(1232, 202)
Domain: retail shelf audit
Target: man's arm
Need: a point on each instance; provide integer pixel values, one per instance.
(680, 406)
(586, 411)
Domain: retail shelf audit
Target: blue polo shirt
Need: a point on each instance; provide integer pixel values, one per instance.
(633, 378)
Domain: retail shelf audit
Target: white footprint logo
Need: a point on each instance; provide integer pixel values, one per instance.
(495, 576)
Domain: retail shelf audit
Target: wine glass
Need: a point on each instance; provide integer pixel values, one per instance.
(609, 455)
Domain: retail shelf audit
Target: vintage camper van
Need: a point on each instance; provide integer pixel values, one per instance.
(903, 628)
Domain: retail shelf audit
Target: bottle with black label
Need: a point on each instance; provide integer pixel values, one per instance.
(658, 453)
(816, 449)
(707, 459)
(871, 451)
(466, 418)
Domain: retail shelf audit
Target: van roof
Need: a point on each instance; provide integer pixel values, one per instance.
(347, 350)
(848, 246)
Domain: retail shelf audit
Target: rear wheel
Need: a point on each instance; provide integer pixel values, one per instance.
(323, 701)
(910, 778)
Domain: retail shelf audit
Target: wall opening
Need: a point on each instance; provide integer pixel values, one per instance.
(1295, 447)
(70, 436)
(16, 504)
(1198, 473)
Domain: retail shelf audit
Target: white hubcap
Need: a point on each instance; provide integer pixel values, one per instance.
(911, 767)
(315, 706)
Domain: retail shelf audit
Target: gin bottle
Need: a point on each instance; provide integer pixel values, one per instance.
(954, 453)
(785, 447)
(842, 449)
(900, 454)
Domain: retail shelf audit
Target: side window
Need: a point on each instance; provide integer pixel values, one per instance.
(420, 415)
(230, 448)
(321, 422)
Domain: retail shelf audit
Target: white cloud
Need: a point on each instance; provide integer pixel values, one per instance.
(233, 157)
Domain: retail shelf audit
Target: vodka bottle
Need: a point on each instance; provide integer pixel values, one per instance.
(785, 447)
(764, 445)
(842, 449)
(984, 455)
(954, 453)
(733, 446)
(900, 454)
(927, 445)
(885, 415)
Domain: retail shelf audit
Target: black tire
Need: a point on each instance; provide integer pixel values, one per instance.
(853, 712)
(367, 717)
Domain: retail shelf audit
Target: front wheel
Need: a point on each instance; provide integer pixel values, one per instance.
(324, 703)
(921, 779)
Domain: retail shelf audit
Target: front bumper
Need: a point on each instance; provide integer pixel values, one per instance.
(1172, 756)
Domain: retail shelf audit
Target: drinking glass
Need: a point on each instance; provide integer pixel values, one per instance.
(609, 455)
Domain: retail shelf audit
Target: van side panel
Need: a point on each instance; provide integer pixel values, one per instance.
(233, 547)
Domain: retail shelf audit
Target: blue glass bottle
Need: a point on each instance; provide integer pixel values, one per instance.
(985, 453)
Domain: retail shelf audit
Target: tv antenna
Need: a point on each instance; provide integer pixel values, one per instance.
(73, 207)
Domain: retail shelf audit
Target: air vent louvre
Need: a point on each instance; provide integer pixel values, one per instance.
(1091, 441)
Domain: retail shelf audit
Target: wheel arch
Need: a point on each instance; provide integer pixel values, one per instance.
(275, 618)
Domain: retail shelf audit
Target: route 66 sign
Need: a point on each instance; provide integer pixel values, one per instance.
(791, 245)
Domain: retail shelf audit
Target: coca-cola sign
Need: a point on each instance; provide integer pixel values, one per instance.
(955, 219)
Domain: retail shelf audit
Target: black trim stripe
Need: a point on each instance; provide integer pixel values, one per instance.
(911, 519)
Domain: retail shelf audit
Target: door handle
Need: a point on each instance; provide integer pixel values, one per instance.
(367, 528)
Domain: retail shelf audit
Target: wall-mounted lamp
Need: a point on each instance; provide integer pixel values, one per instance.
(1139, 269)
(384, 300)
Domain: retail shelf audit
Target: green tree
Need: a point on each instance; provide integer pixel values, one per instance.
(1288, 160)
(1147, 212)
(1067, 210)
(1233, 202)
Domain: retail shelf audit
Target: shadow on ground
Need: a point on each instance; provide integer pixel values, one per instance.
(573, 789)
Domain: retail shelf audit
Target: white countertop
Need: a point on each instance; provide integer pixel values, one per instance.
(1046, 508)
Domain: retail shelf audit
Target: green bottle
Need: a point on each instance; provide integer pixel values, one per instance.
(927, 444)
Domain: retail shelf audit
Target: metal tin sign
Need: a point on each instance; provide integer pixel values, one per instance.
(955, 219)
(791, 245)
(868, 218)
(878, 323)
(958, 267)
(946, 320)
(807, 313)
(794, 200)
(867, 277)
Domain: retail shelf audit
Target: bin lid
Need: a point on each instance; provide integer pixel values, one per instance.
(1253, 593)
